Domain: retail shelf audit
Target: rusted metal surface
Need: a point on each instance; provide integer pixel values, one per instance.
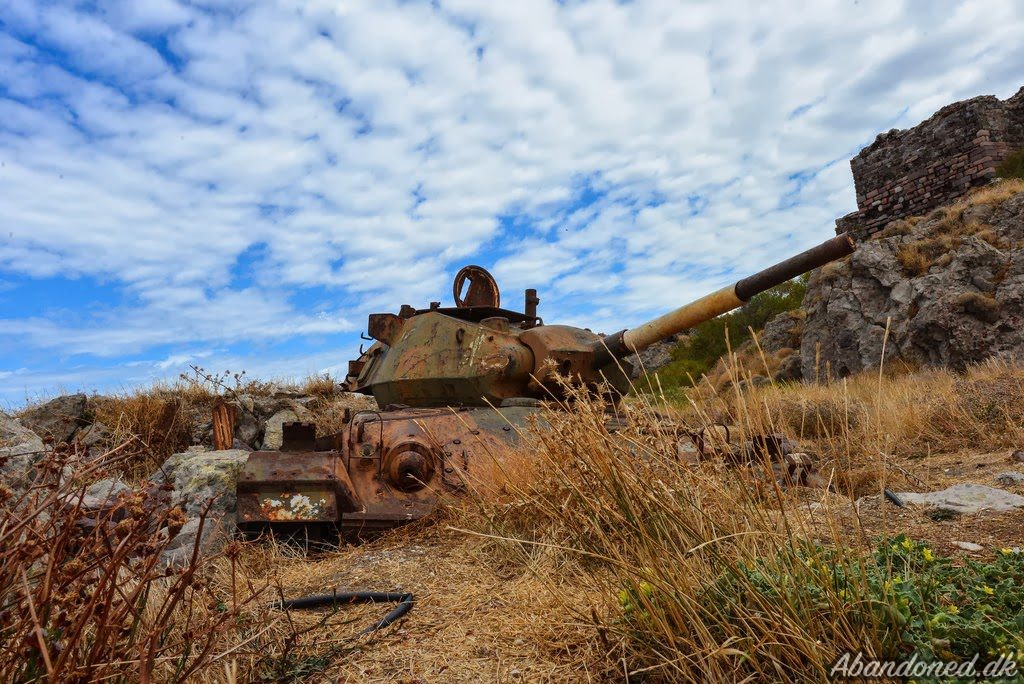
(482, 290)
(442, 361)
(830, 250)
(532, 300)
(685, 317)
(224, 415)
(390, 468)
(437, 374)
(298, 436)
(277, 486)
(626, 342)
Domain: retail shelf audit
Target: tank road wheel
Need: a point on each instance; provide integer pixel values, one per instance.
(410, 466)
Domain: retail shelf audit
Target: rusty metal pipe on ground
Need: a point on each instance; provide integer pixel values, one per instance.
(627, 342)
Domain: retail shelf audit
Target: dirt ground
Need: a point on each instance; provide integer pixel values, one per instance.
(874, 516)
(481, 616)
(476, 617)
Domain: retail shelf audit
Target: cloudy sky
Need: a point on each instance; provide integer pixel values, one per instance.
(238, 184)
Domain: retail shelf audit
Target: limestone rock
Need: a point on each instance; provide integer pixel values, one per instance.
(790, 369)
(1010, 478)
(102, 494)
(199, 479)
(782, 332)
(20, 448)
(91, 435)
(106, 489)
(247, 427)
(58, 418)
(966, 498)
(273, 433)
(969, 546)
(952, 289)
(264, 407)
(657, 356)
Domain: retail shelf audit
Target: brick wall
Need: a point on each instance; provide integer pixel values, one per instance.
(910, 172)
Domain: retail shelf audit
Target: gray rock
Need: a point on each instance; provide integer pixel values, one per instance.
(245, 402)
(655, 357)
(953, 298)
(99, 494)
(1010, 478)
(198, 477)
(179, 549)
(202, 480)
(265, 407)
(782, 332)
(58, 418)
(202, 433)
(273, 434)
(106, 489)
(247, 427)
(20, 448)
(966, 498)
(790, 369)
(91, 435)
(969, 546)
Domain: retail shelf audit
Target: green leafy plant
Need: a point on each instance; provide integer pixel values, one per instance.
(916, 601)
(1012, 166)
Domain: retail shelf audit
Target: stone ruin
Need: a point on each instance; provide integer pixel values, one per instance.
(910, 172)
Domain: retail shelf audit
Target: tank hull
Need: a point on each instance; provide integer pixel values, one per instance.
(385, 469)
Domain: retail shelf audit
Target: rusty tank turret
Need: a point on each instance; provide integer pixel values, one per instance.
(452, 385)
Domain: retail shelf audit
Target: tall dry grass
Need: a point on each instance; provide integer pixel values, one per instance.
(713, 572)
(165, 416)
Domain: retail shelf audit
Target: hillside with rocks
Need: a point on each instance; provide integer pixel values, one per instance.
(949, 286)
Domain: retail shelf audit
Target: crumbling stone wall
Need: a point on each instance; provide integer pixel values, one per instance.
(910, 172)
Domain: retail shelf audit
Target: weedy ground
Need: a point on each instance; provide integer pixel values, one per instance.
(588, 555)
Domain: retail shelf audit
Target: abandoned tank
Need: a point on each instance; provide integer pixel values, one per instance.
(452, 386)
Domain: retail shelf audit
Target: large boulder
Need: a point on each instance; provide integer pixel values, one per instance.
(58, 418)
(951, 286)
(20, 448)
(202, 481)
(273, 431)
(784, 331)
(655, 357)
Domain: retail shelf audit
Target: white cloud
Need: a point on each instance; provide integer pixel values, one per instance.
(369, 148)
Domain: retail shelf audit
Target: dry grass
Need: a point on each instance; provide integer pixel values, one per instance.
(668, 547)
(165, 416)
(901, 412)
(948, 227)
(161, 418)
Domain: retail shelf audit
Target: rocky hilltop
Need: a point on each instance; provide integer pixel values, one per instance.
(950, 287)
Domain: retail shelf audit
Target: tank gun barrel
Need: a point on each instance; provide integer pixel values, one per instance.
(626, 342)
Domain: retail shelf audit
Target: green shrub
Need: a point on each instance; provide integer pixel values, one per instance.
(1012, 166)
(914, 600)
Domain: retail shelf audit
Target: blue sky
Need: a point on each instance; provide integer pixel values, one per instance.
(238, 184)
